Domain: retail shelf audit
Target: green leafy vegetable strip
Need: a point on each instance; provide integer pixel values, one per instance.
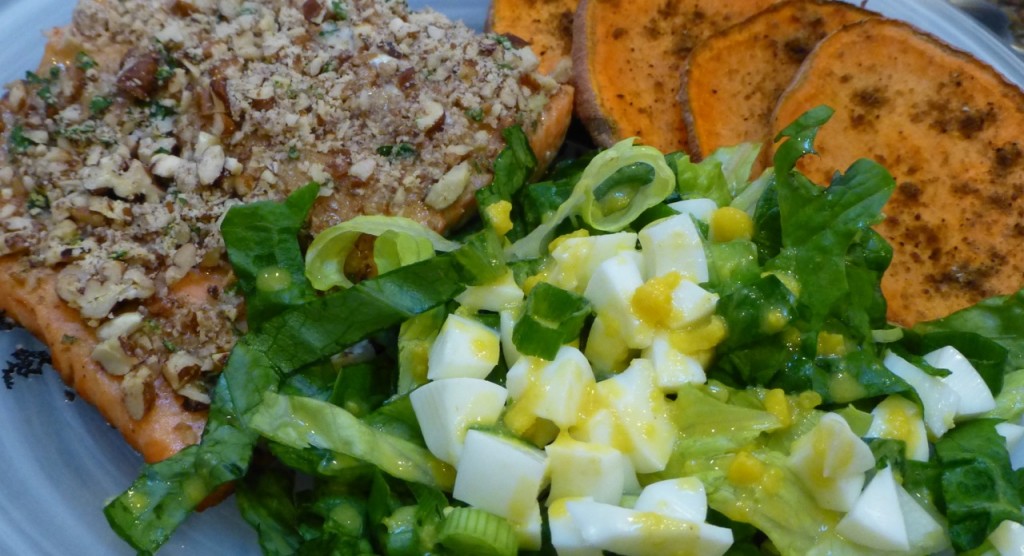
(720, 177)
(978, 485)
(300, 422)
(512, 170)
(265, 502)
(263, 246)
(552, 317)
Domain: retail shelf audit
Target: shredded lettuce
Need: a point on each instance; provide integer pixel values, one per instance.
(302, 422)
(325, 258)
(979, 488)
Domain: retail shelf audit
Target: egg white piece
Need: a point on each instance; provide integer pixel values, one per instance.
(499, 295)
(611, 290)
(701, 209)
(635, 533)
(605, 349)
(674, 244)
(502, 476)
(1008, 538)
(577, 258)
(507, 323)
(553, 390)
(565, 535)
(673, 368)
(899, 418)
(876, 520)
(940, 401)
(831, 461)
(586, 470)
(464, 348)
(1013, 434)
(445, 409)
(963, 378)
(682, 498)
(633, 418)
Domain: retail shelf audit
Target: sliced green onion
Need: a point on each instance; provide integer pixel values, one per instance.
(552, 317)
(325, 259)
(474, 531)
(609, 195)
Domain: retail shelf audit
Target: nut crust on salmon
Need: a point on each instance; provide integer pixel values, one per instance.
(148, 120)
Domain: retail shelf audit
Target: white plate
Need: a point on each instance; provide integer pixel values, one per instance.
(59, 461)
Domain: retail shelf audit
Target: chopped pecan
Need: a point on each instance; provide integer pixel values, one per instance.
(137, 77)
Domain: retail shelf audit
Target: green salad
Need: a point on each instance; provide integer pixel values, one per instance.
(638, 355)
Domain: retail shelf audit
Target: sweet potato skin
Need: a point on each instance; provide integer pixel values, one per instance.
(948, 128)
(732, 80)
(626, 62)
(545, 24)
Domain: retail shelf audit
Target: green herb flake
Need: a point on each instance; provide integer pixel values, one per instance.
(293, 152)
(37, 200)
(475, 114)
(169, 345)
(99, 104)
(119, 255)
(503, 41)
(17, 142)
(83, 61)
(339, 10)
(399, 151)
(68, 339)
(160, 111)
(164, 72)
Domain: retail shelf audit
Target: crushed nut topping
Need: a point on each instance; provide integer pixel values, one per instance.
(118, 164)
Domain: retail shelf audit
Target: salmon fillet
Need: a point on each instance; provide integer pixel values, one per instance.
(147, 121)
(949, 129)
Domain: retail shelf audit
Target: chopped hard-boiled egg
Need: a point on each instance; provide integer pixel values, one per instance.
(503, 476)
(498, 295)
(447, 408)
(701, 209)
(1008, 538)
(606, 350)
(565, 535)
(940, 401)
(674, 244)
(611, 290)
(464, 348)
(875, 520)
(553, 390)
(682, 498)
(585, 469)
(900, 419)
(672, 302)
(576, 258)
(831, 461)
(963, 378)
(507, 320)
(631, 416)
(672, 367)
(642, 533)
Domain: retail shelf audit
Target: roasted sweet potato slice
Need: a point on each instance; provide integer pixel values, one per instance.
(627, 57)
(545, 24)
(949, 129)
(733, 79)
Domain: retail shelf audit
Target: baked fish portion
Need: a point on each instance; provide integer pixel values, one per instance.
(147, 121)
